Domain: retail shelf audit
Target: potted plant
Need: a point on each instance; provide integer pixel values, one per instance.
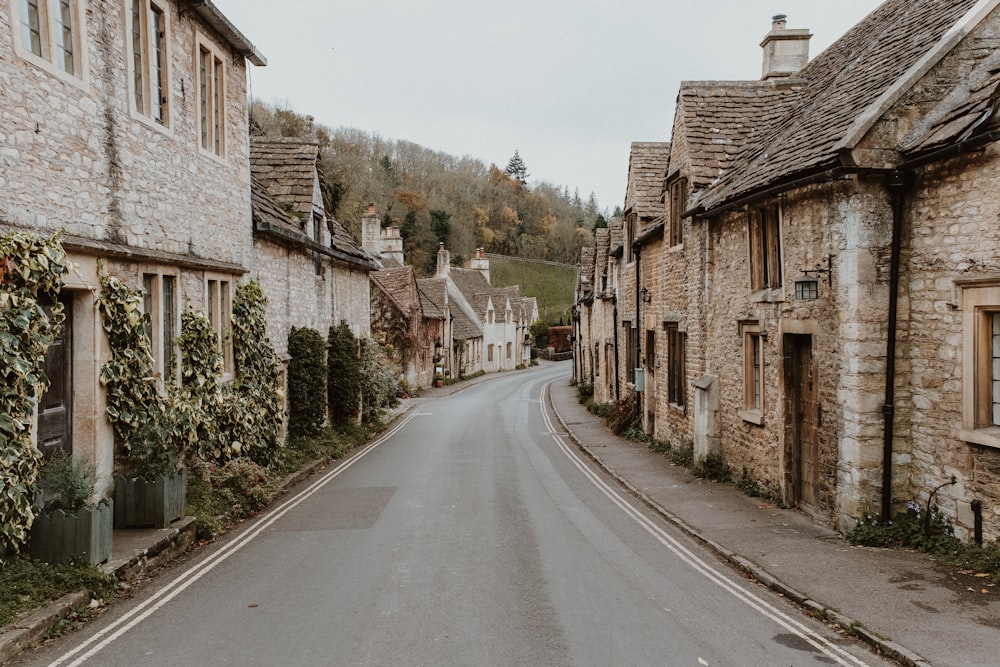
(69, 527)
(151, 489)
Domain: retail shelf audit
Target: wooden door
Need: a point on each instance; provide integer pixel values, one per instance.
(55, 408)
(803, 415)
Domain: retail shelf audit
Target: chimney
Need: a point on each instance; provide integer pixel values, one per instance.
(371, 228)
(310, 127)
(785, 51)
(444, 262)
(481, 264)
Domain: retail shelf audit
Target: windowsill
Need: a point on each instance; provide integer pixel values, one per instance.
(677, 407)
(988, 437)
(752, 416)
(770, 295)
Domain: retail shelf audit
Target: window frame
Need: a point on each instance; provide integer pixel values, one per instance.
(219, 289)
(980, 303)
(764, 247)
(149, 70)
(752, 339)
(210, 97)
(52, 32)
(676, 340)
(163, 307)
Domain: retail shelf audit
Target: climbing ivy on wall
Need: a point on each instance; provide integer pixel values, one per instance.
(31, 270)
(153, 429)
(202, 417)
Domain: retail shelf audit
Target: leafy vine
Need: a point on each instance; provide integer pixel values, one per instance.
(31, 269)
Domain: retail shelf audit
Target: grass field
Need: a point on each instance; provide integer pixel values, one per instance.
(553, 285)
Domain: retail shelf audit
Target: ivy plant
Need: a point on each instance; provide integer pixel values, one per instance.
(31, 270)
(151, 427)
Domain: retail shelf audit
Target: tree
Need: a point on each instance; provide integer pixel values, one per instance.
(516, 169)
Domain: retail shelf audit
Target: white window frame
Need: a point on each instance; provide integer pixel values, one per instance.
(980, 300)
(50, 28)
(211, 75)
(149, 88)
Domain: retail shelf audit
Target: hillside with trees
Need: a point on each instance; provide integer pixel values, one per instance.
(437, 198)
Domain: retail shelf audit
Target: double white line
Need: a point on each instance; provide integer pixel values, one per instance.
(104, 637)
(820, 643)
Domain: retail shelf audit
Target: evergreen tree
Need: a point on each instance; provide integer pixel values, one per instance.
(516, 169)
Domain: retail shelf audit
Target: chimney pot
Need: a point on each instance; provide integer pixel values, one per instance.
(371, 208)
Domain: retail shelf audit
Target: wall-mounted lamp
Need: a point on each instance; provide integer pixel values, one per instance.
(820, 270)
(645, 295)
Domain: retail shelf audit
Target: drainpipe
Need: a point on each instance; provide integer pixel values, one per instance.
(897, 183)
(638, 325)
(614, 316)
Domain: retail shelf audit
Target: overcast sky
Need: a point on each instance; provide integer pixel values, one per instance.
(568, 83)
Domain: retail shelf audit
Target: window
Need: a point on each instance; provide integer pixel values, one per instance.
(489, 353)
(631, 349)
(510, 350)
(678, 200)
(753, 372)
(148, 44)
(980, 303)
(765, 248)
(160, 303)
(219, 304)
(676, 362)
(50, 33)
(211, 99)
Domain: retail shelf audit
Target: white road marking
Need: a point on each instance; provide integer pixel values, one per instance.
(832, 651)
(104, 637)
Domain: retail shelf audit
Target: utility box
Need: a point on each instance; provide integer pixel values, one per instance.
(640, 379)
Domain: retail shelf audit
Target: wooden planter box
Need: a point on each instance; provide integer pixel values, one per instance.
(149, 504)
(84, 535)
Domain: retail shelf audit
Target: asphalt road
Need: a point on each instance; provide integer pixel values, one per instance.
(472, 534)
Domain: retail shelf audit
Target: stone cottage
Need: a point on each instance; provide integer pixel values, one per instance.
(124, 125)
(833, 281)
(312, 271)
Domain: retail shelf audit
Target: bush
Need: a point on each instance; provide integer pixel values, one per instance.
(713, 467)
(221, 494)
(67, 482)
(307, 373)
(344, 389)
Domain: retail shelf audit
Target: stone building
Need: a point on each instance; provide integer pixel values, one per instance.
(830, 268)
(124, 125)
(312, 271)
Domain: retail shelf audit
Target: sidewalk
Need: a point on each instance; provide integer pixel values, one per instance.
(902, 603)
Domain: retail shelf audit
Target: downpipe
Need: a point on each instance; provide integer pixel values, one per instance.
(897, 184)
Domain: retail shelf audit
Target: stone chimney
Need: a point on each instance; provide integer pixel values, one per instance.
(392, 244)
(481, 264)
(785, 51)
(444, 262)
(371, 229)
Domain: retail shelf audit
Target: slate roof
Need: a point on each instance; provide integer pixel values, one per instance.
(432, 293)
(974, 105)
(475, 288)
(647, 166)
(616, 238)
(400, 286)
(842, 89)
(287, 166)
(287, 169)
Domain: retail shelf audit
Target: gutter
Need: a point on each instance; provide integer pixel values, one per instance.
(215, 18)
(263, 227)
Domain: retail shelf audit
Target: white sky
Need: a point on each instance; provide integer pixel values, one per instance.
(568, 83)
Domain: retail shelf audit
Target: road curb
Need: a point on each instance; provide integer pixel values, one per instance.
(850, 626)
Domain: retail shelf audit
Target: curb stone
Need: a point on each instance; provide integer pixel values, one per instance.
(882, 646)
